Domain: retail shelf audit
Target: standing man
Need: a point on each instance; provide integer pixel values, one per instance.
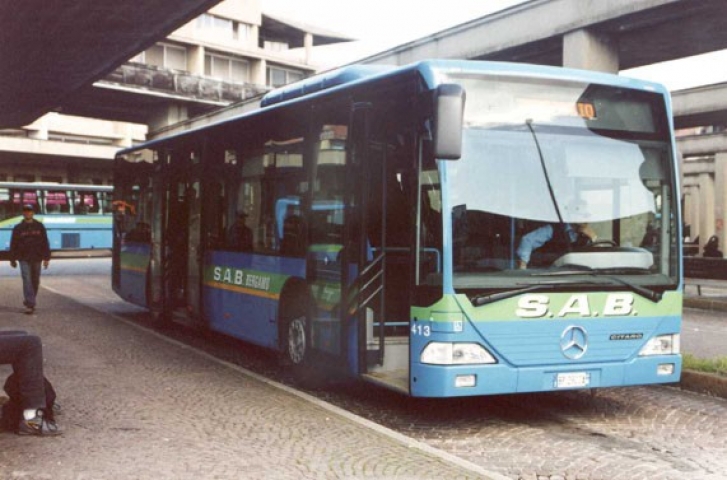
(29, 246)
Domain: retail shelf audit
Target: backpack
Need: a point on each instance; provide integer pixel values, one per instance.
(12, 410)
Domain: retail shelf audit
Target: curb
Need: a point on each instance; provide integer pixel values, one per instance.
(700, 382)
(716, 305)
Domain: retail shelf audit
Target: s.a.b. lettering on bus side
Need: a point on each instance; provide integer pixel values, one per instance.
(232, 276)
(238, 277)
(577, 305)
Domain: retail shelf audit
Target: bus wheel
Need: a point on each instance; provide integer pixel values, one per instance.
(295, 332)
(297, 341)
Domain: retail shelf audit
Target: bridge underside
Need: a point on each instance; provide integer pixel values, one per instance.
(49, 50)
(668, 32)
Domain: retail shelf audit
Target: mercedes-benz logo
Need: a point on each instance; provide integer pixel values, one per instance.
(574, 342)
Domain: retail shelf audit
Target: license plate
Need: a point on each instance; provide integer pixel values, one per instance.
(572, 380)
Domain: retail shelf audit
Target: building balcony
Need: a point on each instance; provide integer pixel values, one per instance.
(173, 82)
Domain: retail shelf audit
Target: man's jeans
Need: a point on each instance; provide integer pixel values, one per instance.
(25, 353)
(30, 272)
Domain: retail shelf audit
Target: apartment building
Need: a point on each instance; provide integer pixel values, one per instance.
(230, 54)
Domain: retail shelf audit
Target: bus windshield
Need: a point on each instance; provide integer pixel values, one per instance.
(561, 179)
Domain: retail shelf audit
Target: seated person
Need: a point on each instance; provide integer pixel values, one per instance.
(578, 234)
(711, 249)
(239, 236)
(24, 352)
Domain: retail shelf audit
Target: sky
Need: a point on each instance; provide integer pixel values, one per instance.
(379, 24)
(383, 24)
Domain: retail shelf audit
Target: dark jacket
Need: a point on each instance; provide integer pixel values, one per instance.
(29, 242)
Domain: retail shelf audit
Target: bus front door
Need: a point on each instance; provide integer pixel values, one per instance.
(377, 246)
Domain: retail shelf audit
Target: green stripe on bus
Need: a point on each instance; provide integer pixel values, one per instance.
(554, 306)
(244, 280)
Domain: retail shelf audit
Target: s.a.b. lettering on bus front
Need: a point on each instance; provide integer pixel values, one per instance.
(577, 305)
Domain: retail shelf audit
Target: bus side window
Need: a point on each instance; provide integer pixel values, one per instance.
(292, 241)
(56, 202)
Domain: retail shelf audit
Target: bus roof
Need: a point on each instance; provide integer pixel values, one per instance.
(56, 186)
(432, 73)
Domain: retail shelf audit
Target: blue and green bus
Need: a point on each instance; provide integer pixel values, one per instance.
(385, 211)
(76, 217)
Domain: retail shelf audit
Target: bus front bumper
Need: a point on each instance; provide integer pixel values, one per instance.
(473, 380)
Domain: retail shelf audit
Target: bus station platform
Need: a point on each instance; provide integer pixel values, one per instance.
(137, 405)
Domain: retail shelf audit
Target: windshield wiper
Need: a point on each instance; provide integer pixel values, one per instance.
(479, 300)
(529, 124)
(647, 293)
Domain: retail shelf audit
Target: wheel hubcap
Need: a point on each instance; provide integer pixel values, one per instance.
(296, 340)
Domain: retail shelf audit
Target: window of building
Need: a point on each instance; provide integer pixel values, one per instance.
(227, 68)
(166, 56)
(280, 76)
(216, 26)
(243, 32)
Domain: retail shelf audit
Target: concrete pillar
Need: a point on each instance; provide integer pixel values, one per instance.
(258, 72)
(195, 60)
(590, 51)
(720, 193)
(688, 210)
(167, 115)
(706, 200)
(127, 135)
(254, 40)
(308, 44)
(696, 212)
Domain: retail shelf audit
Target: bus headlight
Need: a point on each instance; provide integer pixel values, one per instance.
(661, 345)
(440, 353)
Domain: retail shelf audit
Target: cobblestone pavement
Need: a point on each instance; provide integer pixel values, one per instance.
(137, 406)
(630, 433)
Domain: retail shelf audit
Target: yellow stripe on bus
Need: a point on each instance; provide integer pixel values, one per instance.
(249, 291)
(133, 269)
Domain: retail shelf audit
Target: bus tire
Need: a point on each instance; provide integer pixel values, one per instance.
(295, 334)
(298, 339)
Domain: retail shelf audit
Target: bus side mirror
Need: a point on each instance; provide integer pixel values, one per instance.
(448, 119)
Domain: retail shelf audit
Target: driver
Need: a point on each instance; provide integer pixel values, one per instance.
(578, 234)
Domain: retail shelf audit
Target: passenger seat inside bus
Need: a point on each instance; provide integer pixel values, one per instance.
(291, 244)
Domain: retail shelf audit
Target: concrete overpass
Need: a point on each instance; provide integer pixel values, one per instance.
(49, 50)
(601, 35)
(703, 158)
